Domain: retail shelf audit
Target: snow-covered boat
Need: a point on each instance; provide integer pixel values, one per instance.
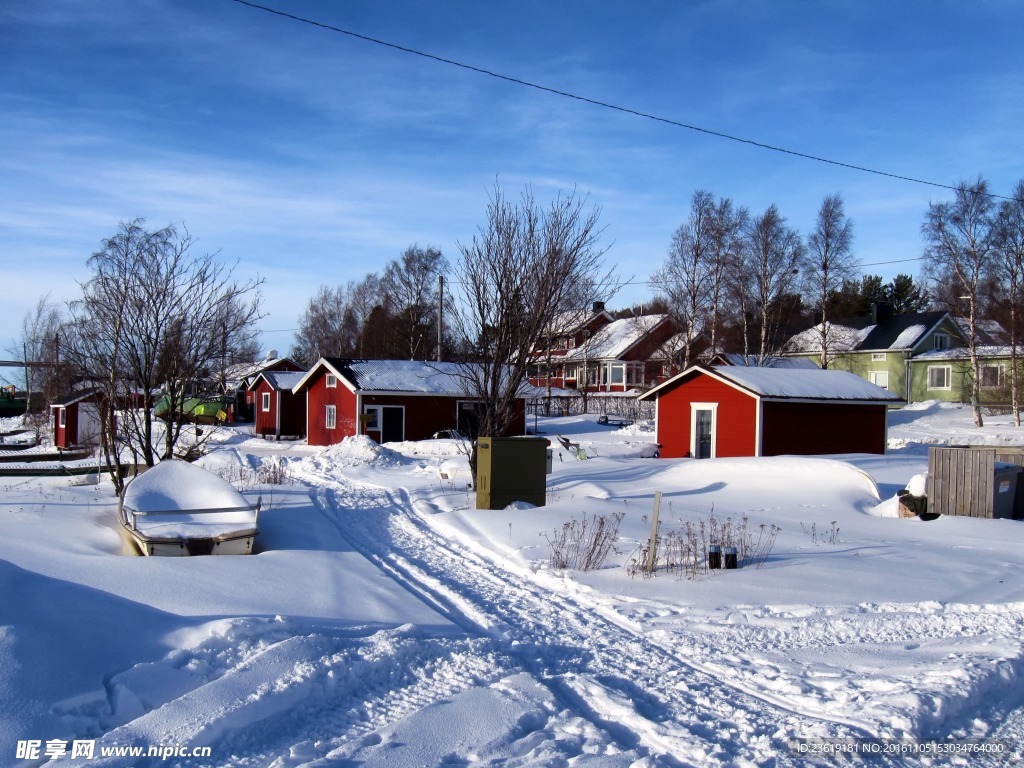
(179, 509)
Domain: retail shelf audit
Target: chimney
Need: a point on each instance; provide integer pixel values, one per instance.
(272, 355)
(598, 307)
(880, 312)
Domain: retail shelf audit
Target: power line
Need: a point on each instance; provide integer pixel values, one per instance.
(596, 102)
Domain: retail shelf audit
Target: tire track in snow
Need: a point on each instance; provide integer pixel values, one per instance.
(642, 694)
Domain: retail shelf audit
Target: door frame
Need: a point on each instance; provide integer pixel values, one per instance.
(694, 409)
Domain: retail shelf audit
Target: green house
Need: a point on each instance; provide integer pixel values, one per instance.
(881, 348)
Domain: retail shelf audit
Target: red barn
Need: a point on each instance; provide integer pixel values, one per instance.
(737, 411)
(391, 400)
(279, 412)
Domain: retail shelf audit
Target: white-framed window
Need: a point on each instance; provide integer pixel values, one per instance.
(63, 420)
(941, 341)
(880, 379)
(265, 402)
(878, 357)
(939, 376)
(991, 376)
(332, 381)
(331, 417)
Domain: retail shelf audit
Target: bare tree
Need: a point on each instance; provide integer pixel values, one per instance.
(768, 273)
(687, 276)
(727, 242)
(1009, 269)
(959, 240)
(411, 284)
(151, 317)
(829, 262)
(321, 330)
(515, 276)
(39, 349)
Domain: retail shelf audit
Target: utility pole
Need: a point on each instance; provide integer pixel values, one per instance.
(440, 315)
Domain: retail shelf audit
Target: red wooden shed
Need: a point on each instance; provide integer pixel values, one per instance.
(279, 412)
(76, 419)
(738, 411)
(391, 400)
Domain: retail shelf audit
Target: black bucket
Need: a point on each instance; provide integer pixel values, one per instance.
(731, 559)
(714, 557)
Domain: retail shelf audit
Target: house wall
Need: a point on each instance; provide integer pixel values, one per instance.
(861, 364)
(959, 390)
(735, 418)
(810, 429)
(424, 414)
(62, 436)
(427, 414)
(292, 408)
(318, 397)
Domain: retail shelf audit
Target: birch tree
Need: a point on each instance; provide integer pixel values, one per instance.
(829, 262)
(770, 268)
(959, 250)
(1009, 267)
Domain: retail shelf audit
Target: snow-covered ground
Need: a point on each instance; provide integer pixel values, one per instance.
(385, 621)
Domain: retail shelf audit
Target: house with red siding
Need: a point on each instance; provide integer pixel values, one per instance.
(391, 400)
(605, 355)
(76, 418)
(749, 411)
(278, 411)
(238, 378)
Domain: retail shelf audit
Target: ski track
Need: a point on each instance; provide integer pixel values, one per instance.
(647, 697)
(283, 693)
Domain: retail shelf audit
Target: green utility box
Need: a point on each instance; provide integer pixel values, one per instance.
(510, 469)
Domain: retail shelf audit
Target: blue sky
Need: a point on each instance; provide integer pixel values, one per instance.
(312, 158)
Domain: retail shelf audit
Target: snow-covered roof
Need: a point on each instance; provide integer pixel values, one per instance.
(278, 380)
(399, 376)
(842, 338)
(768, 362)
(236, 375)
(614, 340)
(902, 332)
(790, 383)
(805, 383)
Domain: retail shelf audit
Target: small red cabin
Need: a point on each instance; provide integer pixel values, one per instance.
(278, 411)
(391, 400)
(737, 411)
(76, 419)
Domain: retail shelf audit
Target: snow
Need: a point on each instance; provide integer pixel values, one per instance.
(408, 376)
(384, 621)
(176, 499)
(815, 384)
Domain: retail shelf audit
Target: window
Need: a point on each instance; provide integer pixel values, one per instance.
(938, 377)
(880, 379)
(332, 381)
(878, 357)
(266, 402)
(331, 420)
(990, 376)
(63, 417)
(941, 341)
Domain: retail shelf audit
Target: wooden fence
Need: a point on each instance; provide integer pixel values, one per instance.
(968, 481)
